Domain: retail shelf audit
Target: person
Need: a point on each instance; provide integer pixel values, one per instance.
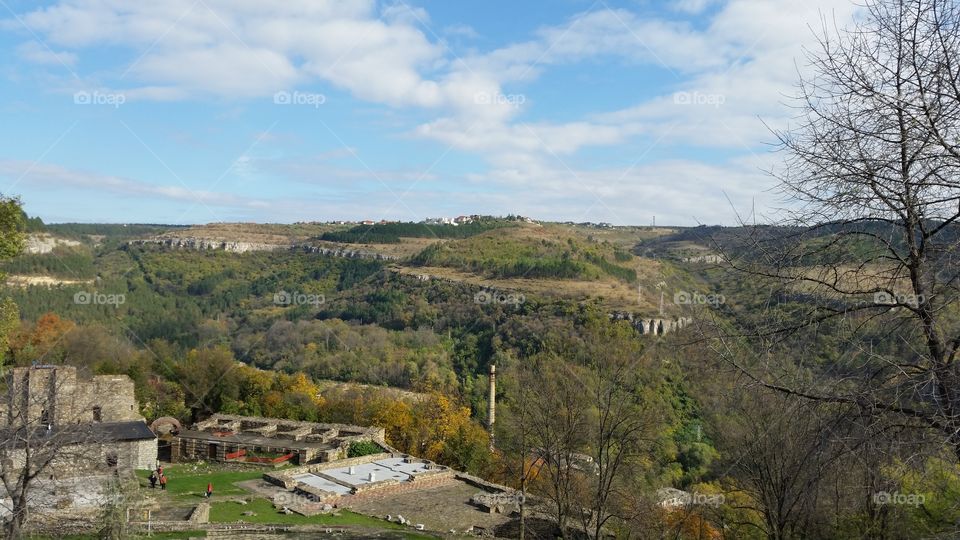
(159, 470)
(209, 489)
(153, 480)
(163, 482)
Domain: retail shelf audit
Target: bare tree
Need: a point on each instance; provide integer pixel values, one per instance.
(872, 171)
(39, 443)
(518, 440)
(558, 430)
(621, 423)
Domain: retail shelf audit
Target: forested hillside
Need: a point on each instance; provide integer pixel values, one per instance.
(203, 331)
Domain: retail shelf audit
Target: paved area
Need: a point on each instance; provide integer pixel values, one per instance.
(442, 508)
(322, 483)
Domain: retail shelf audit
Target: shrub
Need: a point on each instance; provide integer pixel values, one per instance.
(363, 448)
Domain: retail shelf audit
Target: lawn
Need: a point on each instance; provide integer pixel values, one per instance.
(156, 536)
(189, 480)
(230, 511)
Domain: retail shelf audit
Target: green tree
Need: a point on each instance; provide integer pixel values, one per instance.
(11, 244)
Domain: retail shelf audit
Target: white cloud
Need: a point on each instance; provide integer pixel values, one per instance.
(741, 58)
(38, 53)
(692, 6)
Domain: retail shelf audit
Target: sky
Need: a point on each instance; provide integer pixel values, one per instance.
(198, 111)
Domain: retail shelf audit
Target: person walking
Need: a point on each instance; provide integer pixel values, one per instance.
(209, 489)
(153, 480)
(163, 482)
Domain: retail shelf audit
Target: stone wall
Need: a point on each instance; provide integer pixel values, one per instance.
(55, 395)
(85, 459)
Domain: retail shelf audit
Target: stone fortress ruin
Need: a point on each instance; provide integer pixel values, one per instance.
(224, 437)
(94, 422)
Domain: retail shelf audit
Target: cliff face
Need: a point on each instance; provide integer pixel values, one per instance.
(45, 243)
(190, 242)
(198, 243)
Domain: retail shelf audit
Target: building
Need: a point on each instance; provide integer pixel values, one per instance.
(81, 425)
(225, 437)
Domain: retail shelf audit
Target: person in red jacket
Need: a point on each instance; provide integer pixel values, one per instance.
(209, 490)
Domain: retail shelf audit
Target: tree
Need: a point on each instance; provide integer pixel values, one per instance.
(559, 427)
(872, 170)
(38, 439)
(11, 244)
(622, 423)
(514, 438)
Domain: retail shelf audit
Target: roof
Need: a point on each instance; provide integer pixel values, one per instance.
(135, 430)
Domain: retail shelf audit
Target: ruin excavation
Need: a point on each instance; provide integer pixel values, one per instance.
(90, 430)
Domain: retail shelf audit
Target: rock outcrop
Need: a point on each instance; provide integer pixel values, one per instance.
(45, 243)
(199, 243)
(652, 325)
(190, 242)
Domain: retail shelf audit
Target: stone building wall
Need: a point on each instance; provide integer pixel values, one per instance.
(114, 394)
(87, 459)
(54, 394)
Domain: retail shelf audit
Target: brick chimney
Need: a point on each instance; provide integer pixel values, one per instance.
(492, 414)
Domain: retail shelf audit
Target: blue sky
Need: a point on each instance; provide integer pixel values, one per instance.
(195, 111)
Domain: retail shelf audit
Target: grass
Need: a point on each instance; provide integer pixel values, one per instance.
(230, 512)
(187, 480)
(157, 535)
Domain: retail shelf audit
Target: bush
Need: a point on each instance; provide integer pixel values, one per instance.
(363, 448)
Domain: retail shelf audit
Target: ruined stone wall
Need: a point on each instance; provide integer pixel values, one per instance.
(41, 395)
(86, 459)
(55, 394)
(113, 394)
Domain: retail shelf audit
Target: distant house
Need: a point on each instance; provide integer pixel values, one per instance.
(368, 222)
